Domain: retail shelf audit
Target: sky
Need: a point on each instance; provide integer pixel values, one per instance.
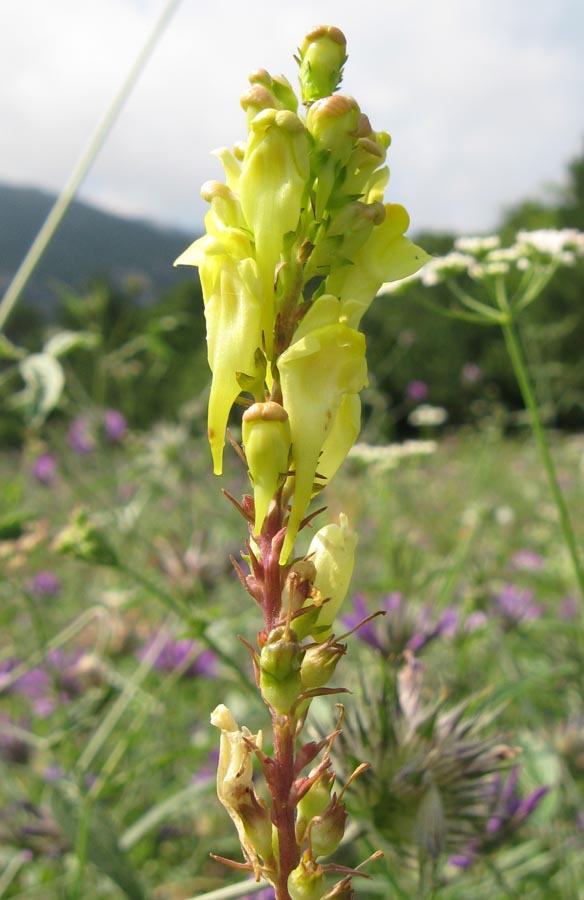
(484, 99)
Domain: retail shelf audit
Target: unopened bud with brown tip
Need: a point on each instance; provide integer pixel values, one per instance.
(266, 440)
(322, 56)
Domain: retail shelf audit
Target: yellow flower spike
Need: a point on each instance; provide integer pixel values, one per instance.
(235, 788)
(266, 440)
(386, 256)
(272, 187)
(315, 372)
(234, 322)
(322, 56)
(332, 550)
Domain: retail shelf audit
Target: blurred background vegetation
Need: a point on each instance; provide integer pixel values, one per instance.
(113, 279)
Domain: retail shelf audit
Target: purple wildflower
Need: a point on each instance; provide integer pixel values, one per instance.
(46, 584)
(508, 811)
(182, 654)
(516, 605)
(115, 426)
(417, 391)
(402, 628)
(471, 373)
(477, 619)
(527, 560)
(569, 608)
(79, 436)
(44, 469)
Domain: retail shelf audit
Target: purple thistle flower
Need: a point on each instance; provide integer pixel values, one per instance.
(182, 654)
(417, 391)
(402, 628)
(516, 605)
(115, 426)
(46, 584)
(44, 469)
(79, 436)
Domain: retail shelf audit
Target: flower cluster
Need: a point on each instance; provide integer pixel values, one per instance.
(298, 242)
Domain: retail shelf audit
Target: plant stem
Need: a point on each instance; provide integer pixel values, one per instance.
(283, 810)
(518, 361)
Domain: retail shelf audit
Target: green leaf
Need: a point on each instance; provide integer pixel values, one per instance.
(44, 382)
(103, 848)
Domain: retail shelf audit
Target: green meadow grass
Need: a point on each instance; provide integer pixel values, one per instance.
(110, 793)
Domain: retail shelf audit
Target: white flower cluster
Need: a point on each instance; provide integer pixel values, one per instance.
(389, 456)
(426, 416)
(561, 246)
(483, 257)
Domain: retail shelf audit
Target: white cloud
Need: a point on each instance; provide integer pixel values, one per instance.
(483, 100)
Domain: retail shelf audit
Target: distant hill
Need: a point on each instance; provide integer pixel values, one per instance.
(89, 242)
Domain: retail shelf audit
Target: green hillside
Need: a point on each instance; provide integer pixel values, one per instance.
(89, 243)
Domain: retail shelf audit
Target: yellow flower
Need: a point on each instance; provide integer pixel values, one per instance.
(321, 366)
(332, 550)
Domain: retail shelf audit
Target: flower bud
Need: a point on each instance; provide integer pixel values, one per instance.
(332, 551)
(266, 440)
(327, 830)
(306, 881)
(279, 86)
(322, 56)
(279, 665)
(319, 664)
(334, 124)
(314, 802)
